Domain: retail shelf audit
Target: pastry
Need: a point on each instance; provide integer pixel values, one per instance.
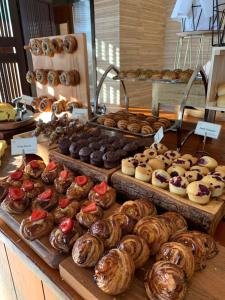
(156, 164)
(209, 243)
(172, 154)
(79, 188)
(103, 194)
(69, 78)
(16, 201)
(64, 145)
(202, 170)
(128, 166)
(53, 78)
(126, 223)
(157, 125)
(141, 158)
(7, 112)
(63, 181)
(154, 230)
(164, 281)
(166, 160)
(40, 223)
(73, 104)
(35, 46)
(32, 188)
(46, 200)
(184, 76)
(198, 192)
(48, 47)
(122, 124)
(193, 160)
(51, 172)
(178, 254)
(69, 44)
(101, 120)
(169, 75)
(30, 77)
(85, 153)
(108, 230)
(137, 209)
(59, 106)
(34, 168)
(178, 185)
(114, 272)
(208, 162)
(193, 176)
(196, 244)
(65, 235)
(96, 158)
(65, 209)
(111, 160)
(41, 76)
(16, 178)
(150, 153)
(143, 172)
(160, 178)
(150, 119)
(166, 123)
(182, 162)
(176, 222)
(137, 248)
(58, 45)
(216, 186)
(134, 127)
(160, 148)
(45, 105)
(109, 122)
(147, 129)
(87, 250)
(89, 214)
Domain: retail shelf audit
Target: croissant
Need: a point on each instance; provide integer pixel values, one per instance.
(87, 250)
(175, 222)
(69, 44)
(45, 105)
(103, 194)
(89, 214)
(126, 223)
(70, 78)
(73, 104)
(154, 231)
(107, 230)
(16, 201)
(178, 254)
(196, 244)
(138, 209)
(114, 272)
(65, 209)
(30, 77)
(46, 200)
(137, 248)
(165, 281)
(53, 78)
(40, 223)
(41, 76)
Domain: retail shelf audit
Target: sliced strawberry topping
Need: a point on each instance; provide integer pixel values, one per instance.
(64, 174)
(38, 214)
(51, 166)
(16, 175)
(101, 188)
(64, 202)
(28, 185)
(45, 195)
(81, 180)
(16, 194)
(34, 164)
(66, 225)
(89, 208)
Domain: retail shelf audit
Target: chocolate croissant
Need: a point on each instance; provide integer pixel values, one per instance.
(178, 254)
(196, 244)
(114, 272)
(138, 209)
(126, 222)
(209, 243)
(175, 222)
(16, 201)
(103, 194)
(87, 250)
(107, 230)
(41, 76)
(154, 231)
(46, 200)
(89, 214)
(165, 281)
(137, 248)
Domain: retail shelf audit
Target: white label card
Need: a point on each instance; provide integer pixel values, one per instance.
(159, 135)
(80, 113)
(26, 145)
(208, 129)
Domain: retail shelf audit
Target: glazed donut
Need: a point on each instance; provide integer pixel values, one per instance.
(69, 78)
(45, 105)
(69, 44)
(36, 102)
(59, 106)
(35, 46)
(70, 105)
(30, 77)
(58, 45)
(48, 47)
(53, 78)
(41, 76)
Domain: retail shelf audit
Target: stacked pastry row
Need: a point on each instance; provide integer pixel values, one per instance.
(200, 179)
(72, 203)
(53, 78)
(131, 236)
(50, 47)
(177, 74)
(134, 123)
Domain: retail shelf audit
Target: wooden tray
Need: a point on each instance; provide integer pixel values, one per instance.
(204, 217)
(207, 284)
(10, 125)
(99, 174)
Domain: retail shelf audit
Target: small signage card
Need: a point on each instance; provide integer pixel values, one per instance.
(208, 129)
(24, 145)
(80, 113)
(159, 135)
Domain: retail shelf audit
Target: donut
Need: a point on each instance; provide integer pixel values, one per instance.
(69, 44)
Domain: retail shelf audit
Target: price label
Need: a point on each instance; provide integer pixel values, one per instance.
(159, 135)
(24, 145)
(208, 129)
(80, 113)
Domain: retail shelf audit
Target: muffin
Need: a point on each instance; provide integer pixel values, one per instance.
(178, 185)
(160, 148)
(172, 154)
(94, 146)
(156, 164)
(128, 166)
(160, 178)
(176, 171)
(202, 170)
(208, 162)
(131, 147)
(96, 158)
(150, 153)
(74, 150)
(141, 158)
(110, 160)
(193, 176)
(166, 160)
(216, 186)
(182, 162)
(64, 145)
(106, 147)
(193, 160)
(143, 172)
(198, 192)
(120, 153)
(220, 169)
(219, 176)
(85, 153)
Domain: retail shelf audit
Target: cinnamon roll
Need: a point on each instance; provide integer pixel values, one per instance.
(63, 181)
(53, 78)
(65, 209)
(16, 201)
(107, 230)
(32, 188)
(30, 77)
(69, 44)
(196, 244)
(178, 254)
(137, 248)
(41, 76)
(103, 194)
(48, 47)
(87, 250)
(165, 281)
(40, 223)
(114, 272)
(89, 214)
(175, 221)
(154, 231)
(51, 172)
(16, 178)
(209, 243)
(34, 168)
(79, 188)
(63, 237)
(126, 222)
(69, 78)
(46, 200)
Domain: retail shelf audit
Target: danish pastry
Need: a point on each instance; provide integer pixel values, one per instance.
(177, 222)
(63, 181)
(65, 209)
(34, 168)
(209, 243)
(89, 214)
(16, 178)
(79, 188)
(32, 188)
(51, 172)
(59, 106)
(134, 127)
(122, 124)
(126, 223)
(109, 122)
(45, 105)
(16, 201)
(35, 46)
(46, 200)
(58, 45)
(103, 194)
(147, 129)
